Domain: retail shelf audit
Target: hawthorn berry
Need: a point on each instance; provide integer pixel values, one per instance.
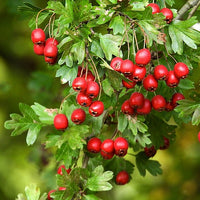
(168, 15)
(150, 151)
(49, 194)
(158, 102)
(81, 71)
(62, 188)
(106, 155)
(83, 100)
(79, 84)
(92, 89)
(176, 97)
(50, 50)
(50, 61)
(199, 136)
(139, 73)
(160, 72)
(130, 84)
(59, 171)
(60, 121)
(38, 49)
(166, 144)
(169, 106)
(142, 57)
(94, 145)
(90, 76)
(107, 146)
(122, 178)
(116, 64)
(136, 100)
(155, 8)
(145, 109)
(127, 67)
(172, 80)
(150, 83)
(126, 108)
(38, 36)
(181, 70)
(51, 41)
(96, 108)
(78, 116)
(120, 146)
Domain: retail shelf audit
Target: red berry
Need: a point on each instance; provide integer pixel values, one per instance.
(126, 108)
(38, 49)
(199, 136)
(120, 146)
(83, 100)
(50, 61)
(90, 76)
(160, 72)
(158, 102)
(106, 155)
(96, 108)
(139, 73)
(38, 36)
(122, 178)
(93, 89)
(136, 100)
(116, 64)
(181, 70)
(79, 84)
(52, 41)
(80, 69)
(130, 84)
(166, 144)
(62, 188)
(150, 83)
(176, 97)
(49, 194)
(168, 14)
(94, 145)
(172, 80)
(143, 57)
(59, 171)
(150, 151)
(145, 109)
(78, 116)
(155, 8)
(50, 50)
(107, 146)
(127, 67)
(169, 106)
(60, 121)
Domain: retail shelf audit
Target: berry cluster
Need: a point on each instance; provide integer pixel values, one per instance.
(48, 47)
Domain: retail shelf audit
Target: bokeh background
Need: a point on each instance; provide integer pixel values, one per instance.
(24, 77)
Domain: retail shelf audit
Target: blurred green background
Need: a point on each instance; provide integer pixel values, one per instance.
(24, 77)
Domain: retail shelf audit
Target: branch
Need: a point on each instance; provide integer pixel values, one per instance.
(193, 10)
(186, 7)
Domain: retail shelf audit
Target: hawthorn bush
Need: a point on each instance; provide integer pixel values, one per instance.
(126, 68)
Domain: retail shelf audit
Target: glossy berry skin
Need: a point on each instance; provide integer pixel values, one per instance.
(78, 116)
(139, 73)
(166, 144)
(158, 102)
(172, 80)
(60, 121)
(169, 107)
(150, 151)
(38, 36)
(136, 100)
(59, 171)
(50, 50)
(145, 109)
(49, 194)
(130, 84)
(79, 84)
(120, 146)
(126, 108)
(90, 76)
(122, 178)
(96, 108)
(93, 89)
(199, 136)
(160, 72)
(116, 64)
(83, 100)
(142, 57)
(176, 97)
(107, 156)
(155, 8)
(127, 67)
(38, 49)
(150, 83)
(181, 70)
(50, 61)
(107, 146)
(52, 41)
(168, 15)
(94, 145)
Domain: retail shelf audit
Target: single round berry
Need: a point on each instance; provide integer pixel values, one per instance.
(116, 64)
(52, 41)
(94, 145)
(145, 109)
(139, 73)
(158, 102)
(107, 146)
(169, 107)
(172, 80)
(143, 57)
(168, 15)
(83, 100)
(150, 151)
(50, 50)
(150, 83)
(96, 108)
(78, 116)
(79, 84)
(166, 144)
(127, 67)
(181, 70)
(120, 146)
(199, 136)
(93, 89)
(38, 49)
(59, 171)
(122, 178)
(155, 8)
(90, 76)
(107, 156)
(136, 100)
(60, 121)
(160, 72)
(50, 61)
(126, 108)
(176, 97)
(130, 84)
(38, 36)
(49, 194)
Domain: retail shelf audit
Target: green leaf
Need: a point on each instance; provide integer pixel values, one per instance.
(78, 49)
(143, 139)
(136, 125)
(138, 5)
(96, 49)
(122, 122)
(21, 197)
(117, 24)
(107, 88)
(170, 2)
(186, 84)
(196, 117)
(91, 197)
(32, 192)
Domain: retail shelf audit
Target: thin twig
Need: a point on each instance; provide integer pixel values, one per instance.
(193, 10)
